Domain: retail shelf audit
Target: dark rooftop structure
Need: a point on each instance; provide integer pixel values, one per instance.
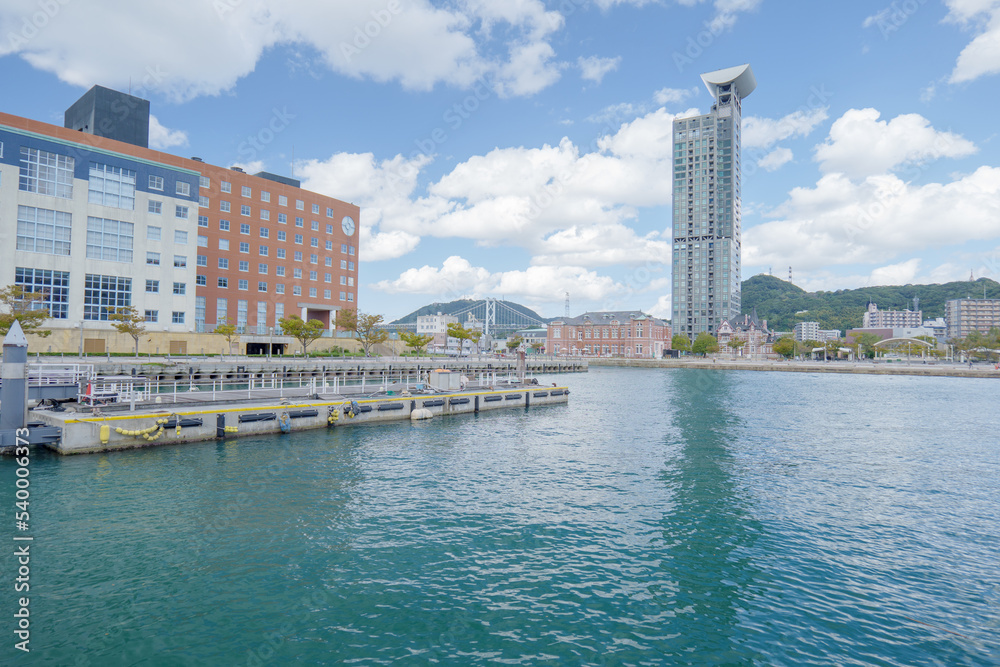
(109, 113)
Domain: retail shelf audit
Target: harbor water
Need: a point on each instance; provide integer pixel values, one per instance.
(663, 516)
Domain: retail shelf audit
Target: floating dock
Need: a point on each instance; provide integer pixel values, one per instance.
(117, 427)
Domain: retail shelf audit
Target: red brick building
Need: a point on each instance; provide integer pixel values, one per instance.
(628, 334)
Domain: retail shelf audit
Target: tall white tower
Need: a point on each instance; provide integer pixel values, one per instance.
(706, 218)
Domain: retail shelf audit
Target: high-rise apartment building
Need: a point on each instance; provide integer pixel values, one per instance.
(95, 224)
(890, 319)
(967, 315)
(706, 216)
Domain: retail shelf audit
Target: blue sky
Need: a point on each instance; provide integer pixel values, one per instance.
(522, 148)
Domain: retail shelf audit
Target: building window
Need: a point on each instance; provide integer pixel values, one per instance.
(313, 258)
(282, 200)
(183, 189)
(279, 288)
(315, 209)
(246, 191)
(343, 296)
(204, 182)
(153, 286)
(203, 202)
(314, 242)
(223, 263)
(329, 244)
(104, 295)
(241, 313)
(226, 186)
(264, 232)
(343, 280)
(177, 317)
(279, 270)
(265, 214)
(350, 296)
(329, 230)
(329, 214)
(199, 312)
(299, 222)
(202, 241)
(46, 173)
(153, 258)
(180, 261)
(155, 207)
(298, 239)
(243, 285)
(223, 283)
(328, 277)
(223, 225)
(111, 186)
(181, 237)
(200, 280)
(180, 288)
(299, 204)
(313, 275)
(151, 316)
(262, 268)
(42, 230)
(201, 260)
(153, 233)
(244, 265)
(244, 247)
(203, 221)
(156, 183)
(328, 261)
(343, 248)
(262, 251)
(265, 196)
(343, 264)
(282, 218)
(296, 290)
(312, 291)
(224, 206)
(109, 239)
(245, 228)
(281, 253)
(350, 250)
(297, 273)
(181, 212)
(53, 285)
(221, 310)
(223, 244)
(261, 286)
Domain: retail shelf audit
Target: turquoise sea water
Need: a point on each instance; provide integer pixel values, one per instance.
(662, 517)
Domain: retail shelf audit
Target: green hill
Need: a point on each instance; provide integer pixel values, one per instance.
(783, 304)
(462, 304)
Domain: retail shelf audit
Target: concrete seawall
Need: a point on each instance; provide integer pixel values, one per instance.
(863, 368)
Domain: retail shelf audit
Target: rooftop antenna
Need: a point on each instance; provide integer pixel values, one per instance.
(789, 274)
(567, 304)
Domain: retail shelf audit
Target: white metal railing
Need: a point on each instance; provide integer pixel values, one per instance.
(40, 375)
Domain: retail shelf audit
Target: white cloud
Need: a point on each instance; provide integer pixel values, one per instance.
(539, 284)
(594, 68)
(840, 221)
(981, 56)
(895, 274)
(674, 95)
(162, 138)
(775, 159)
(662, 308)
(860, 144)
(250, 167)
(765, 132)
(415, 44)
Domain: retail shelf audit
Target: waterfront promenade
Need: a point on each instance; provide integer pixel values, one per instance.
(913, 367)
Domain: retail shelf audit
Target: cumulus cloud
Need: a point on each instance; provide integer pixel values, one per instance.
(674, 95)
(842, 221)
(162, 138)
(981, 57)
(860, 144)
(593, 68)
(775, 159)
(539, 284)
(765, 132)
(415, 44)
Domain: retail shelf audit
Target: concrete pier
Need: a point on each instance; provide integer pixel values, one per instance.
(110, 429)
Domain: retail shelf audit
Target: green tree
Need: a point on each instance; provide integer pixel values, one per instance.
(414, 341)
(735, 344)
(514, 342)
(304, 332)
(227, 331)
(867, 341)
(785, 346)
(366, 327)
(680, 342)
(456, 330)
(705, 344)
(538, 347)
(24, 307)
(833, 348)
(127, 320)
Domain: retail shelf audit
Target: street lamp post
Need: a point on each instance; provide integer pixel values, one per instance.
(270, 333)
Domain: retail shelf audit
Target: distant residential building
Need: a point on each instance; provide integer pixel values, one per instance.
(875, 318)
(609, 334)
(828, 334)
(749, 329)
(963, 316)
(939, 327)
(806, 331)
